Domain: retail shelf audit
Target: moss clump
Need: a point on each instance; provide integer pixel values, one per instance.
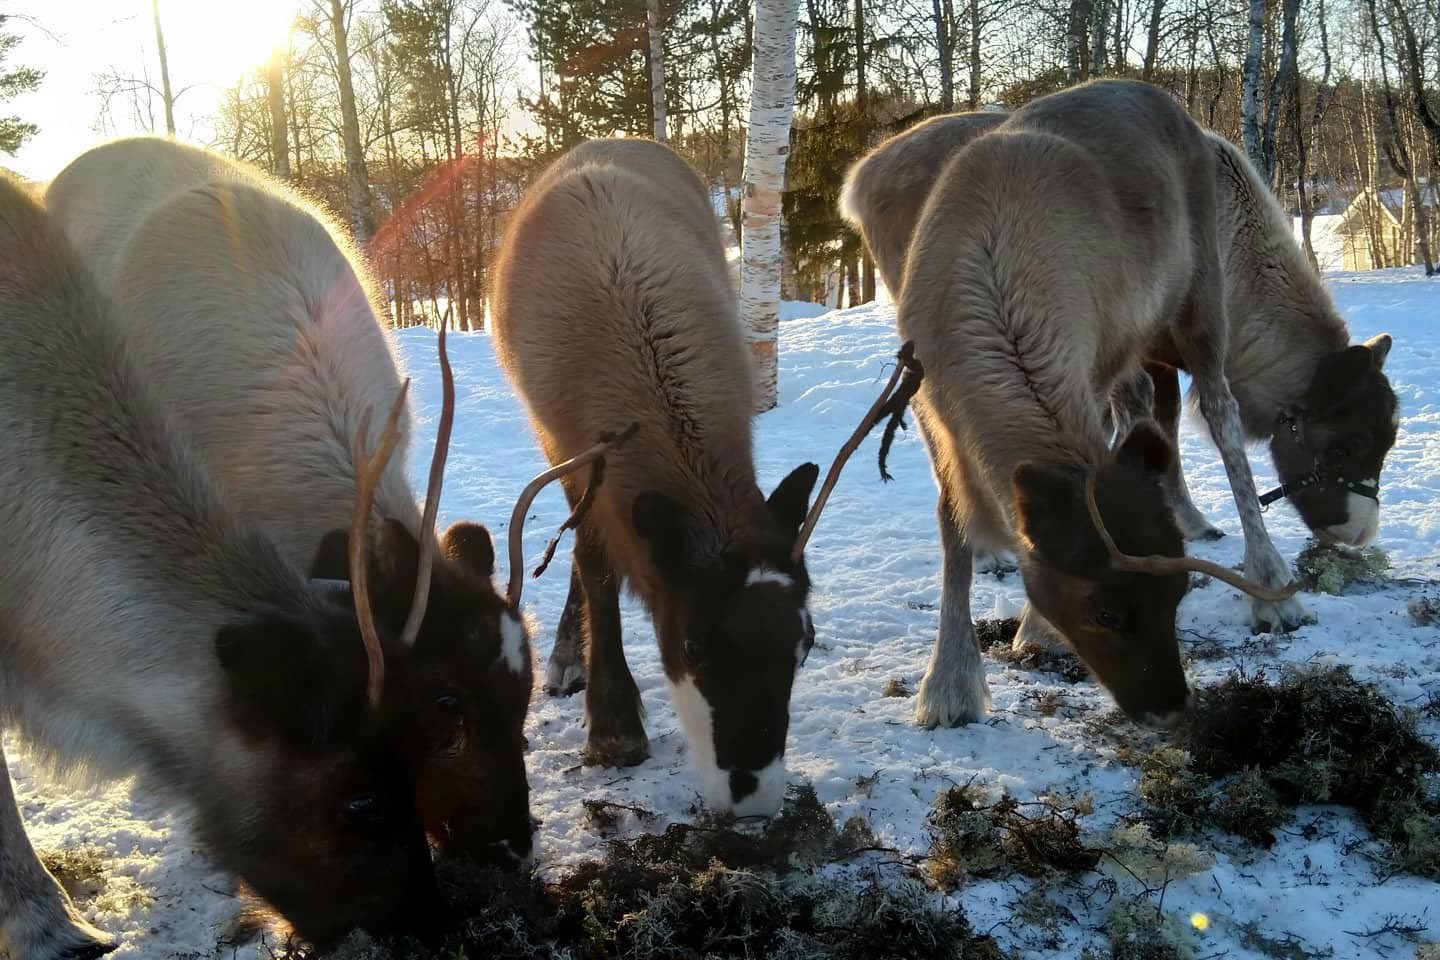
(996, 633)
(1331, 569)
(698, 890)
(1139, 931)
(80, 871)
(972, 837)
(1253, 750)
(895, 687)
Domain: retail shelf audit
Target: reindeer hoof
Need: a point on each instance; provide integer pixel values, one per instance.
(66, 940)
(1284, 617)
(951, 702)
(1208, 534)
(996, 563)
(91, 951)
(617, 751)
(564, 680)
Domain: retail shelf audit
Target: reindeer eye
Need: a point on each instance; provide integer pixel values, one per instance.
(362, 807)
(449, 704)
(1107, 619)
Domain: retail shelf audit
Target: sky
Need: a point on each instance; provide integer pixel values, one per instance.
(210, 44)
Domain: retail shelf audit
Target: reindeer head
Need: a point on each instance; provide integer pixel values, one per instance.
(738, 629)
(469, 659)
(733, 635)
(328, 833)
(470, 684)
(1114, 598)
(1329, 451)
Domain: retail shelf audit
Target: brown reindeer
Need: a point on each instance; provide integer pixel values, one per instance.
(257, 325)
(1049, 257)
(150, 631)
(613, 306)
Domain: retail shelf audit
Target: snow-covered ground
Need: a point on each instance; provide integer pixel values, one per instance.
(875, 563)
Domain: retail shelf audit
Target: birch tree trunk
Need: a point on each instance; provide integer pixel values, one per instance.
(657, 66)
(1098, 49)
(976, 25)
(1152, 41)
(767, 146)
(1250, 86)
(357, 183)
(1280, 87)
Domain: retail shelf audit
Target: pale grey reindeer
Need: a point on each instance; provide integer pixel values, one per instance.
(148, 631)
(1285, 351)
(257, 324)
(613, 306)
(1051, 255)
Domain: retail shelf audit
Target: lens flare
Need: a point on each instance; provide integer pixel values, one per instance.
(1199, 921)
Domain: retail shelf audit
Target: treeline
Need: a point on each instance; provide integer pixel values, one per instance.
(421, 121)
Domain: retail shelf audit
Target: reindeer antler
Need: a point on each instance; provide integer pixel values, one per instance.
(1156, 564)
(432, 494)
(369, 467)
(595, 454)
(883, 405)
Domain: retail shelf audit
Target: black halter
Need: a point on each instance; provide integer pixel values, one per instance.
(1316, 477)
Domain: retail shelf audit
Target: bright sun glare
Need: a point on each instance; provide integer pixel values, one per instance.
(222, 40)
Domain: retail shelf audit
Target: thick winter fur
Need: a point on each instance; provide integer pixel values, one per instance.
(148, 631)
(613, 306)
(1284, 349)
(1027, 300)
(885, 191)
(256, 325)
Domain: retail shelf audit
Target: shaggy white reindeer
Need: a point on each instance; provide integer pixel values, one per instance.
(1051, 256)
(257, 325)
(148, 631)
(613, 306)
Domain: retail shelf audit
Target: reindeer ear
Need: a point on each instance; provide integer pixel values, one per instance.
(332, 559)
(1336, 376)
(397, 557)
(1379, 349)
(470, 545)
(791, 500)
(1053, 520)
(659, 520)
(1146, 448)
(284, 682)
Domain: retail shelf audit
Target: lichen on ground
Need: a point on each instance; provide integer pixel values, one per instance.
(695, 890)
(1252, 750)
(973, 837)
(1331, 569)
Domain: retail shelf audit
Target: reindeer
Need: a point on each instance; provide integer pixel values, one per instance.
(613, 306)
(150, 632)
(258, 327)
(1285, 351)
(1049, 258)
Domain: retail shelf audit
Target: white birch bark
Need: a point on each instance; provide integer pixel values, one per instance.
(657, 65)
(767, 146)
(1250, 86)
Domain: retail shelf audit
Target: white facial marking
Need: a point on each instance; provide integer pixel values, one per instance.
(766, 800)
(698, 722)
(1363, 522)
(697, 719)
(512, 643)
(766, 575)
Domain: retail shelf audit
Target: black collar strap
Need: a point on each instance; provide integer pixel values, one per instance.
(1371, 490)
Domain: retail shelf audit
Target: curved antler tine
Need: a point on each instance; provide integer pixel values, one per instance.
(906, 362)
(369, 467)
(432, 495)
(1158, 564)
(604, 445)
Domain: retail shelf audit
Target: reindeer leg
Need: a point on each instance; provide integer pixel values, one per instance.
(37, 919)
(1193, 525)
(612, 700)
(1131, 399)
(1036, 635)
(954, 690)
(1201, 338)
(565, 673)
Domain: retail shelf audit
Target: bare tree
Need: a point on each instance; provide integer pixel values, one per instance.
(279, 124)
(357, 182)
(656, 32)
(1250, 87)
(164, 69)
